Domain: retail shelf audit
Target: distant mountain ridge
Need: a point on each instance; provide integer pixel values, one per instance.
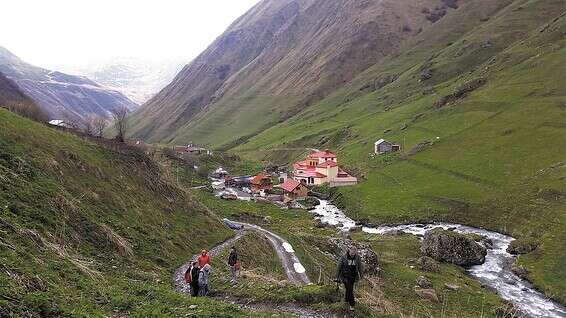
(59, 94)
(139, 79)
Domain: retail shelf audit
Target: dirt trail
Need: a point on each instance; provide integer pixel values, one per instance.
(296, 273)
(294, 270)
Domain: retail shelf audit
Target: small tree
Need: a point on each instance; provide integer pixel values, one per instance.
(88, 126)
(100, 125)
(120, 116)
(94, 125)
(71, 121)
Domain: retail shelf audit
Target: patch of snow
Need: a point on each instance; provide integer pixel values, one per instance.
(288, 247)
(299, 268)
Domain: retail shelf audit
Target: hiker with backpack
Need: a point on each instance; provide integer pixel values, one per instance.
(234, 264)
(203, 280)
(349, 272)
(191, 278)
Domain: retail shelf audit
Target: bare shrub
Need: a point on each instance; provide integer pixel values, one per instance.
(120, 116)
(100, 125)
(28, 110)
(95, 125)
(124, 247)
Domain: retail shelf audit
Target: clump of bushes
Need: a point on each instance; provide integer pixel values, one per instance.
(460, 92)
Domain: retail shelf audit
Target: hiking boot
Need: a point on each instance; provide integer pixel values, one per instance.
(352, 308)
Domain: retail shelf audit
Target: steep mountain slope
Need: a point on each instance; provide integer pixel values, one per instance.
(13, 99)
(479, 111)
(139, 79)
(276, 60)
(93, 230)
(10, 93)
(59, 94)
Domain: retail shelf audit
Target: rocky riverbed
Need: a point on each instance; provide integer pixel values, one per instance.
(495, 272)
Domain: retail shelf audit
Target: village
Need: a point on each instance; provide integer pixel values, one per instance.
(284, 187)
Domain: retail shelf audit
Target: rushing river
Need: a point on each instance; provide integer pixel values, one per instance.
(495, 272)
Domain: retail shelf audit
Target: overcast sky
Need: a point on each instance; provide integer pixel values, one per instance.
(49, 33)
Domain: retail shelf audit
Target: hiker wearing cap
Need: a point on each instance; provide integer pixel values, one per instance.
(234, 264)
(349, 272)
(203, 259)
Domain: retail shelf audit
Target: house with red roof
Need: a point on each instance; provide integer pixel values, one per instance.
(320, 168)
(293, 190)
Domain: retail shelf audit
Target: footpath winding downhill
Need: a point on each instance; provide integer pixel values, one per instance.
(293, 268)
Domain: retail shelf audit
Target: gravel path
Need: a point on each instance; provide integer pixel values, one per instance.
(295, 271)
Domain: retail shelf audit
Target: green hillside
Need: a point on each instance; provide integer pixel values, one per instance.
(93, 230)
(483, 138)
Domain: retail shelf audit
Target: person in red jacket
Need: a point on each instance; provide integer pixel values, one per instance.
(203, 259)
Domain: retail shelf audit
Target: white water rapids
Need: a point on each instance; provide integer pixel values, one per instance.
(495, 272)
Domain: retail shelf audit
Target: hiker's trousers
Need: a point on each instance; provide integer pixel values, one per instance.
(234, 273)
(349, 285)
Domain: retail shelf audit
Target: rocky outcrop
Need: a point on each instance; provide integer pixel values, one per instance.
(428, 264)
(460, 93)
(338, 246)
(452, 247)
(423, 282)
(428, 294)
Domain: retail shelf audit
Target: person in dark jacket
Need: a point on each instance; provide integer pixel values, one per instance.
(195, 270)
(349, 272)
(233, 263)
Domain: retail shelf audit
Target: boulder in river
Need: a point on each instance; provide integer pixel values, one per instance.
(452, 247)
(520, 271)
(338, 247)
(522, 246)
(356, 229)
(321, 225)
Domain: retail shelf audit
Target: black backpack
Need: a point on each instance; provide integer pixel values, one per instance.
(194, 274)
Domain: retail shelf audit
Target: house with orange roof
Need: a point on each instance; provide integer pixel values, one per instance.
(320, 168)
(261, 182)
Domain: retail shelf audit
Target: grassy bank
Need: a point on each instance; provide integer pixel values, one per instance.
(93, 230)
